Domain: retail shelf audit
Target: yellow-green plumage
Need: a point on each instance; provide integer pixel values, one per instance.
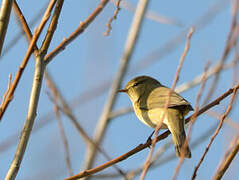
(149, 98)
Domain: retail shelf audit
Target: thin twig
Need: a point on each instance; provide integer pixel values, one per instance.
(165, 159)
(182, 87)
(187, 46)
(81, 28)
(172, 44)
(34, 98)
(149, 59)
(25, 28)
(52, 27)
(93, 92)
(151, 15)
(191, 122)
(226, 163)
(108, 25)
(152, 57)
(26, 58)
(187, 85)
(61, 129)
(228, 121)
(67, 111)
(156, 156)
(5, 12)
(227, 152)
(65, 142)
(124, 61)
(140, 147)
(19, 34)
(231, 41)
(216, 133)
(7, 91)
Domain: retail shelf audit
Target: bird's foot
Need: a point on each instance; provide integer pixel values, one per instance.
(149, 140)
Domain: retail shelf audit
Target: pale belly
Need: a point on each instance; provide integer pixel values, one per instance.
(153, 117)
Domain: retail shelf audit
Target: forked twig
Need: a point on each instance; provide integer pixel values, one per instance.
(81, 28)
(34, 97)
(26, 58)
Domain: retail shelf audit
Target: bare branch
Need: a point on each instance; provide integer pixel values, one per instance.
(152, 15)
(192, 122)
(34, 98)
(216, 133)
(187, 46)
(52, 27)
(19, 34)
(228, 121)
(93, 92)
(5, 11)
(67, 111)
(231, 41)
(108, 25)
(164, 159)
(226, 163)
(61, 130)
(78, 31)
(148, 143)
(26, 58)
(7, 91)
(128, 50)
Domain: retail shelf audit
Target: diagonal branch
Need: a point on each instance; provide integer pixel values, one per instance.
(224, 166)
(62, 131)
(91, 93)
(192, 121)
(124, 61)
(5, 11)
(26, 58)
(231, 41)
(141, 147)
(216, 133)
(52, 27)
(34, 98)
(156, 131)
(68, 112)
(83, 25)
(19, 34)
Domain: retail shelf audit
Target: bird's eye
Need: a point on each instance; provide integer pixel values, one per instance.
(135, 84)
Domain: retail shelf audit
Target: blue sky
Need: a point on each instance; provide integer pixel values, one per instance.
(93, 59)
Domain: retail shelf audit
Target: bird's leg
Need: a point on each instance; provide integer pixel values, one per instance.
(150, 138)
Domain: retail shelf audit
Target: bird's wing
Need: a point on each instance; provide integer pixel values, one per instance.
(158, 97)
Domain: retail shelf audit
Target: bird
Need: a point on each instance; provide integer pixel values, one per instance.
(149, 97)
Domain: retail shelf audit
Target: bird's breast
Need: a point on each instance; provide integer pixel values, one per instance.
(151, 117)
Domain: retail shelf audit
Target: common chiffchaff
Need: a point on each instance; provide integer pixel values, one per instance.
(149, 97)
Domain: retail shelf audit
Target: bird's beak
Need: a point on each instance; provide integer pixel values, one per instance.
(123, 90)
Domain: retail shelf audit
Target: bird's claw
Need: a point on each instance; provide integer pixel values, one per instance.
(149, 140)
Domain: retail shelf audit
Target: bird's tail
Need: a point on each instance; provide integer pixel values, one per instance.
(176, 127)
(179, 139)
